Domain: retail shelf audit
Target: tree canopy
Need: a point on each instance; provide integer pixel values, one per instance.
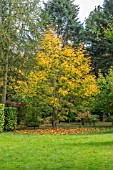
(61, 78)
(18, 36)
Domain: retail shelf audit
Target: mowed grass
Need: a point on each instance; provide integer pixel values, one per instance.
(56, 152)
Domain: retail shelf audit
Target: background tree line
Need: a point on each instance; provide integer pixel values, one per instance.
(52, 70)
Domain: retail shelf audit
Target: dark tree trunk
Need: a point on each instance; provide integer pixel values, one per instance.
(104, 117)
(55, 124)
(55, 119)
(82, 120)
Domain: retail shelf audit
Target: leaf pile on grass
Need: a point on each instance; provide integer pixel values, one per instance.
(61, 131)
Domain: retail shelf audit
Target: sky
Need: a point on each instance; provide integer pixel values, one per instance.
(86, 6)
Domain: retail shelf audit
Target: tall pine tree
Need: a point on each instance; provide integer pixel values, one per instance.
(99, 46)
(63, 16)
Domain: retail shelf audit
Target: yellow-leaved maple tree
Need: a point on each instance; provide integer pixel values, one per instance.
(62, 78)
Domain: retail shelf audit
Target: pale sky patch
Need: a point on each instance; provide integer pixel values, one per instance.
(86, 6)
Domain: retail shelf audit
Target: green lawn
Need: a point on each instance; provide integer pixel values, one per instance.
(56, 152)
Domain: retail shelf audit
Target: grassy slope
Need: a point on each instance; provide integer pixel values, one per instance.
(56, 152)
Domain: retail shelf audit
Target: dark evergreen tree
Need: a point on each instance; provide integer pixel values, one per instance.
(98, 44)
(95, 39)
(108, 9)
(63, 16)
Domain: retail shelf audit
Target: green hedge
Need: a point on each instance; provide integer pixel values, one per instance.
(1, 117)
(10, 118)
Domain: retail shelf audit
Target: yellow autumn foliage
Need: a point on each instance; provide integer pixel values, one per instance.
(59, 72)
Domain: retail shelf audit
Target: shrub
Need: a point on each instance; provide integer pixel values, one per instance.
(1, 117)
(10, 118)
(82, 117)
(92, 119)
(87, 117)
(110, 118)
(33, 117)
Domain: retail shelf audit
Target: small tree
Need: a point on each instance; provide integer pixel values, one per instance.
(33, 117)
(103, 103)
(61, 81)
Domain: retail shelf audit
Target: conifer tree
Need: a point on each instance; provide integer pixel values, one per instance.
(99, 46)
(63, 16)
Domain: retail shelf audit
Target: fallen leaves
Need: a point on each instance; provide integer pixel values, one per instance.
(58, 131)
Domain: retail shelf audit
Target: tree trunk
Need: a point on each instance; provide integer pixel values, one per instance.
(55, 124)
(95, 69)
(83, 122)
(54, 119)
(5, 72)
(104, 117)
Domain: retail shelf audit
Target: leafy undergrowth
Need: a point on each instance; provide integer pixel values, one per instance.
(62, 131)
